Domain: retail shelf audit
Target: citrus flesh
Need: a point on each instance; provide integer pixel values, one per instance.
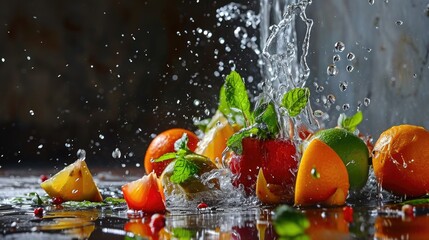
(73, 183)
(322, 177)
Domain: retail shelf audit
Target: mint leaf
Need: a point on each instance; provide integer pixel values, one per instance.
(183, 169)
(166, 156)
(350, 123)
(223, 104)
(295, 100)
(236, 95)
(289, 222)
(268, 117)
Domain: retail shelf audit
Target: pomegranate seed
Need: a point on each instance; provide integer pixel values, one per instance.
(408, 210)
(38, 212)
(43, 178)
(57, 200)
(348, 214)
(202, 205)
(157, 222)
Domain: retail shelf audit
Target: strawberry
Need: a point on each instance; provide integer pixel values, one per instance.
(275, 156)
(246, 165)
(279, 162)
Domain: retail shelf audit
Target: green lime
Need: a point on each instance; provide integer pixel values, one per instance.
(352, 150)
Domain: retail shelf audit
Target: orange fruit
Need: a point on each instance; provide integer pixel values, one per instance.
(164, 143)
(400, 160)
(73, 183)
(214, 141)
(145, 194)
(322, 177)
(271, 193)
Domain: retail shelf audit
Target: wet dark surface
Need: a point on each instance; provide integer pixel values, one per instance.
(66, 221)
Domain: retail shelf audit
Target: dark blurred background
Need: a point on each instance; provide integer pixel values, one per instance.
(101, 75)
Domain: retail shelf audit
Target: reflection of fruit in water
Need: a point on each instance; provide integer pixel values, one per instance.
(214, 141)
(145, 194)
(322, 177)
(353, 152)
(164, 143)
(328, 225)
(400, 160)
(193, 184)
(73, 183)
(398, 228)
(141, 228)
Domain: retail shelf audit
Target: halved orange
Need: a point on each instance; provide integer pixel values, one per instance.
(322, 177)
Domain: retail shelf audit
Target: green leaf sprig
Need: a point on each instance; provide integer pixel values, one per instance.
(350, 123)
(183, 168)
(295, 100)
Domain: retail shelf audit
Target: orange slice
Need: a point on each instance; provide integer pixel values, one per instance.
(73, 183)
(322, 177)
(271, 193)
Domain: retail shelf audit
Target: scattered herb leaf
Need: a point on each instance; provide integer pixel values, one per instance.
(183, 167)
(267, 116)
(183, 233)
(417, 201)
(295, 100)
(236, 96)
(350, 123)
(289, 222)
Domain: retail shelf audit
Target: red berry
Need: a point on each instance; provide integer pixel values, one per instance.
(38, 212)
(408, 210)
(157, 222)
(43, 178)
(57, 200)
(348, 214)
(202, 205)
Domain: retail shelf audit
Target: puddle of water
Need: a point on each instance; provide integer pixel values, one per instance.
(17, 221)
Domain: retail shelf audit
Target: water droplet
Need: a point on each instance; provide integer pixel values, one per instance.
(332, 70)
(197, 102)
(320, 89)
(339, 46)
(366, 102)
(81, 154)
(31, 112)
(116, 153)
(101, 136)
(399, 22)
(3, 59)
(74, 191)
(371, 2)
(231, 64)
(343, 86)
(318, 113)
(314, 173)
(350, 68)
(415, 75)
(346, 106)
(331, 98)
(336, 58)
(40, 146)
(350, 56)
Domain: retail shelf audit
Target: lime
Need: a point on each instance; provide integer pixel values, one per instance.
(352, 151)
